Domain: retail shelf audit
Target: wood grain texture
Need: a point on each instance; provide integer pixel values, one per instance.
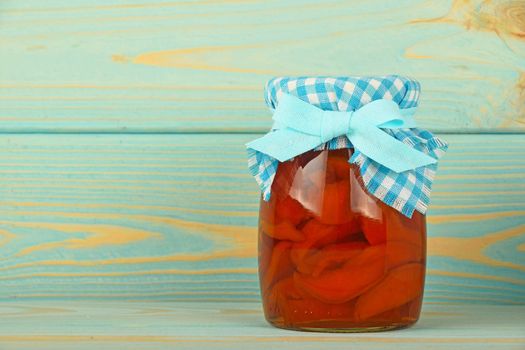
(188, 65)
(173, 217)
(162, 325)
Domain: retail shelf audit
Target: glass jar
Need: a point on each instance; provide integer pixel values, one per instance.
(334, 258)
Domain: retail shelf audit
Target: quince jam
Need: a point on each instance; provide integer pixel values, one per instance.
(334, 258)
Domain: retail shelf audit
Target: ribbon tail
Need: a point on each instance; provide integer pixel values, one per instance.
(284, 144)
(386, 150)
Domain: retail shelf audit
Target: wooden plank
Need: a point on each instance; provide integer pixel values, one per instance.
(173, 217)
(159, 325)
(187, 65)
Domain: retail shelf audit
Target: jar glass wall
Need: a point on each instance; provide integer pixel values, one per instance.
(334, 258)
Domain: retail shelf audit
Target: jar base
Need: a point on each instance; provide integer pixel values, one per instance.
(335, 329)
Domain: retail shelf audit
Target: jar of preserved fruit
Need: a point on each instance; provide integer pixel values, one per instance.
(342, 238)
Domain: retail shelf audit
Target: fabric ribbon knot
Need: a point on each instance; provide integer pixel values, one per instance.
(300, 126)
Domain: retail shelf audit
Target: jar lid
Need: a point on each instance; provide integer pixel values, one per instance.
(344, 93)
(406, 189)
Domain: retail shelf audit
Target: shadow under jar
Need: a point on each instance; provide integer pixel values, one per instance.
(332, 257)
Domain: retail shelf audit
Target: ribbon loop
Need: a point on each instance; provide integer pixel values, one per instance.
(294, 113)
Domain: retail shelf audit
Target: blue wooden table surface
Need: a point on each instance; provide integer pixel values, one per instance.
(56, 325)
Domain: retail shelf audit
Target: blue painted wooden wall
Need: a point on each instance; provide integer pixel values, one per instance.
(122, 125)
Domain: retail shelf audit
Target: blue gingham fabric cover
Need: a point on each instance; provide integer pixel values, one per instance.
(406, 191)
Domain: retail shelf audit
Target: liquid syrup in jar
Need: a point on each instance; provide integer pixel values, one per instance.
(334, 258)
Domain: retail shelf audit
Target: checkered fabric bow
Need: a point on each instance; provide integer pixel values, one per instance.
(404, 184)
